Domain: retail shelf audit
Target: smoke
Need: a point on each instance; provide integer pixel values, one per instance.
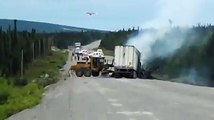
(195, 77)
(170, 13)
(165, 34)
(144, 41)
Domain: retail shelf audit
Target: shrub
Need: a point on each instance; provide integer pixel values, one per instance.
(4, 93)
(19, 98)
(5, 90)
(20, 82)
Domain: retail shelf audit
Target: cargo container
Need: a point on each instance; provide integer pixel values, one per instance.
(126, 62)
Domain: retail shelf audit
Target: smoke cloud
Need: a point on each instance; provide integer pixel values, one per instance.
(192, 76)
(171, 13)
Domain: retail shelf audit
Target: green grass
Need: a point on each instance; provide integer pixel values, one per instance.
(14, 99)
(49, 65)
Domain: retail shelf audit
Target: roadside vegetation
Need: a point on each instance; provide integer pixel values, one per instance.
(14, 99)
(46, 71)
(27, 65)
(27, 92)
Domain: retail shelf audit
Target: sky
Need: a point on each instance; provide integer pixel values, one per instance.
(111, 14)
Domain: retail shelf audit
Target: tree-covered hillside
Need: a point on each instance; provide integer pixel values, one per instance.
(41, 27)
(18, 48)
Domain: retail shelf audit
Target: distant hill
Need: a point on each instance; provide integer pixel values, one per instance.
(41, 27)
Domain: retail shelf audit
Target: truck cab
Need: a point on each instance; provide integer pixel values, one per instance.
(77, 44)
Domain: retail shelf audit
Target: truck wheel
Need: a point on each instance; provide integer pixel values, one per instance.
(95, 74)
(87, 73)
(117, 75)
(79, 73)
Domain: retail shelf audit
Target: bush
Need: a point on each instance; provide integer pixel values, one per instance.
(45, 82)
(20, 82)
(4, 93)
(18, 99)
(31, 89)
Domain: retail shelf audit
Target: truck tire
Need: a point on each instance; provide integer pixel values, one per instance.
(95, 74)
(79, 73)
(117, 75)
(87, 73)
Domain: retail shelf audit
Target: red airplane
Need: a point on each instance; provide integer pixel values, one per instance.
(90, 13)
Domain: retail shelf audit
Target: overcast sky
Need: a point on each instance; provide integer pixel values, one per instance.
(110, 14)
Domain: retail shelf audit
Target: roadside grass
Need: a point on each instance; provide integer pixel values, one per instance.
(46, 71)
(43, 72)
(14, 99)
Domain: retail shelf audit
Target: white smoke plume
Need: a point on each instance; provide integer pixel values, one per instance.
(171, 13)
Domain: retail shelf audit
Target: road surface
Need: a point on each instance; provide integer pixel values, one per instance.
(92, 45)
(121, 99)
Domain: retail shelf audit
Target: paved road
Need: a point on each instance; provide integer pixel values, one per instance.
(122, 99)
(93, 45)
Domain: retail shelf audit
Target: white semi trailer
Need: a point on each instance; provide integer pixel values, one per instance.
(127, 62)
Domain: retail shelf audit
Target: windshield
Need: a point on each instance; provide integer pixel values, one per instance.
(98, 62)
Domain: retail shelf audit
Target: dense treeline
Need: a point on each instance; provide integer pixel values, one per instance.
(109, 39)
(19, 49)
(193, 60)
(64, 39)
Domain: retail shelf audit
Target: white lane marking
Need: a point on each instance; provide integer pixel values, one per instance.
(139, 113)
(123, 80)
(129, 113)
(147, 113)
(116, 104)
(112, 100)
(132, 119)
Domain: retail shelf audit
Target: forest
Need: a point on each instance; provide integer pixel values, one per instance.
(17, 48)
